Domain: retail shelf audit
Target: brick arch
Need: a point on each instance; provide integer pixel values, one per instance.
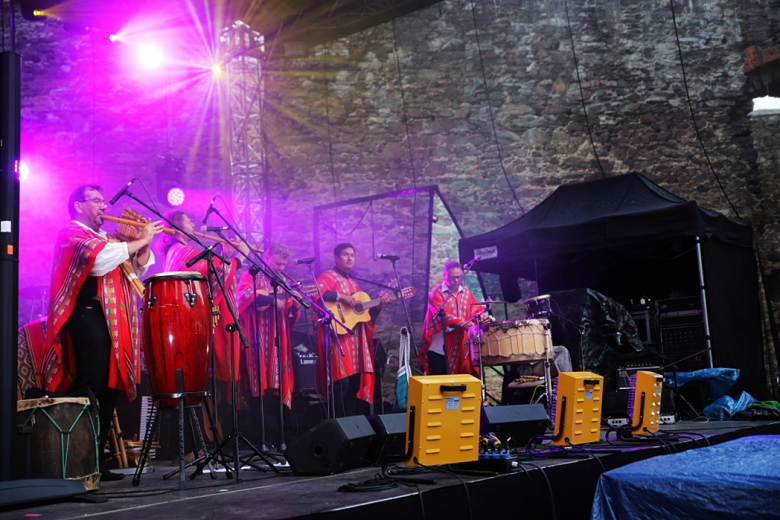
(762, 68)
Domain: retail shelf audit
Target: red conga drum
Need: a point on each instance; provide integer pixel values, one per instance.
(177, 332)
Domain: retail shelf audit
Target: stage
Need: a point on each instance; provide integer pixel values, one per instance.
(568, 483)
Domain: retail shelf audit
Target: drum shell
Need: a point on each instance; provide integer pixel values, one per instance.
(514, 342)
(176, 333)
(47, 443)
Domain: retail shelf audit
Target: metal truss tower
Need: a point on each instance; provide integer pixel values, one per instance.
(248, 164)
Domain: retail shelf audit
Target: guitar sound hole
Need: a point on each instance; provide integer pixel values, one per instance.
(358, 308)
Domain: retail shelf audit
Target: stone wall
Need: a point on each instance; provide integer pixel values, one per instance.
(480, 98)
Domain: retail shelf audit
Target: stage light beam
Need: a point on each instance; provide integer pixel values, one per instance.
(216, 70)
(113, 37)
(150, 56)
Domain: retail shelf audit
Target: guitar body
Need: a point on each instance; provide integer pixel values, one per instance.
(351, 316)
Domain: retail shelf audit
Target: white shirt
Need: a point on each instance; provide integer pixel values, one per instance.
(437, 341)
(113, 255)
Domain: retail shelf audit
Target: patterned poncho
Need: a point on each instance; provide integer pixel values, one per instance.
(176, 259)
(261, 356)
(75, 253)
(358, 348)
(458, 308)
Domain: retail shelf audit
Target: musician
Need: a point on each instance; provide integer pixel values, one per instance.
(444, 348)
(177, 253)
(352, 373)
(261, 356)
(92, 308)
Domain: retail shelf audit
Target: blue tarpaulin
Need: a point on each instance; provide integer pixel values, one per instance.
(736, 479)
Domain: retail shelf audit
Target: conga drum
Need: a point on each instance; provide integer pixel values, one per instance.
(513, 342)
(176, 332)
(64, 438)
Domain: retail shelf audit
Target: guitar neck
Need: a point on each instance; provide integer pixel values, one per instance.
(373, 303)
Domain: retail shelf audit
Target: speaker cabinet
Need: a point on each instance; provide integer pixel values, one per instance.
(520, 423)
(333, 446)
(390, 437)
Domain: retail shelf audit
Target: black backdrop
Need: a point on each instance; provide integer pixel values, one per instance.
(627, 237)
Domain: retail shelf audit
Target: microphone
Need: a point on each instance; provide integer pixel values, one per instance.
(215, 228)
(121, 192)
(208, 212)
(468, 265)
(392, 258)
(306, 261)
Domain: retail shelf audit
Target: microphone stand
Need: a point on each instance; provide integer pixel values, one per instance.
(326, 319)
(211, 411)
(276, 281)
(400, 293)
(253, 271)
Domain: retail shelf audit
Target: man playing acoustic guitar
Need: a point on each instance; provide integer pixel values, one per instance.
(352, 372)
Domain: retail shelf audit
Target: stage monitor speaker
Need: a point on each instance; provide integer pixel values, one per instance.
(520, 423)
(390, 437)
(37, 490)
(333, 446)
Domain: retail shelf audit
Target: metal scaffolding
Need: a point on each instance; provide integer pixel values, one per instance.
(248, 163)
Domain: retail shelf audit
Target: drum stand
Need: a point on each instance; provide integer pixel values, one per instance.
(151, 428)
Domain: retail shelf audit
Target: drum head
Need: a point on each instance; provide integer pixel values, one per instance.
(176, 275)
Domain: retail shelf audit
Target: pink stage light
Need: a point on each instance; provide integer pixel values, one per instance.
(150, 56)
(175, 197)
(24, 171)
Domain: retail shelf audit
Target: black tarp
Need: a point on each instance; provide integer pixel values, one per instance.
(626, 237)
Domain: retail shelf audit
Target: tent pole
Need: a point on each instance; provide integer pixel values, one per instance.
(703, 292)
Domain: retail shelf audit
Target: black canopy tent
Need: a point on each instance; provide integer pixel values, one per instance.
(625, 236)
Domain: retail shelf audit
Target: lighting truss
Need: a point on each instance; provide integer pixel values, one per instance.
(248, 165)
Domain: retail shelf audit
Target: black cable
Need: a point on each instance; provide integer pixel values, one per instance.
(378, 483)
(330, 152)
(530, 487)
(593, 456)
(439, 468)
(409, 145)
(549, 486)
(490, 109)
(667, 447)
(693, 118)
(582, 94)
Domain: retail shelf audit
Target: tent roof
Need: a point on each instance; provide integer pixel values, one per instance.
(587, 217)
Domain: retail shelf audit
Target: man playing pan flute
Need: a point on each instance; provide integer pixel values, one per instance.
(261, 356)
(93, 324)
(353, 372)
(177, 253)
(444, 348)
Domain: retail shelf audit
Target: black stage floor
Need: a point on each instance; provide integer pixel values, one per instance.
(566, 483)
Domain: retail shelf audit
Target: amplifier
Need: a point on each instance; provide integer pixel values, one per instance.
(625, 370)
(305, 372)
(683, 339)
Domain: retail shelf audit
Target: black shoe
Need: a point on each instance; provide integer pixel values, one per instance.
(107, 476)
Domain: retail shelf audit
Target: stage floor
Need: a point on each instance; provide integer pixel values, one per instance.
(567, 484)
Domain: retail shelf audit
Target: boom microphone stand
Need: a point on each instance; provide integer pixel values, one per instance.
(326, 319)
(275, 278)
(399, 292)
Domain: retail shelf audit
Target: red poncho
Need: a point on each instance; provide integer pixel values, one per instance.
(261, 360)
(458, 308)
(358, 355)
(75, 253)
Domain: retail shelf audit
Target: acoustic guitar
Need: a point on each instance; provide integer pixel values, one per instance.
(351, 316)
(309, 289)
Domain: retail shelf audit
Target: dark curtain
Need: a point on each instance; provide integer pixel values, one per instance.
(735, 314)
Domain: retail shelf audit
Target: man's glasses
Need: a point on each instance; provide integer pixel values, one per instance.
(97, 201)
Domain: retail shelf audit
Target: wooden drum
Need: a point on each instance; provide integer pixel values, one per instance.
(514, 342)
(176, 332)
(64, 438)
